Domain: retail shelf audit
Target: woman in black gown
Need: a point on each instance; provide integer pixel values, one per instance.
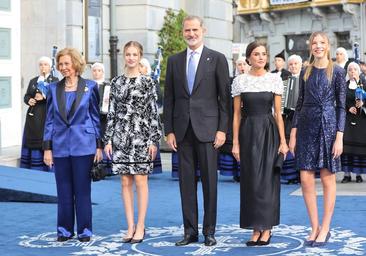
(259, 143)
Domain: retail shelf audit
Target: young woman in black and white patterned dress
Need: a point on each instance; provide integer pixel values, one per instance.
(133, 132)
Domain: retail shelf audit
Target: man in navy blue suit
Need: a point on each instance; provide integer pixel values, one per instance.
(195, 122)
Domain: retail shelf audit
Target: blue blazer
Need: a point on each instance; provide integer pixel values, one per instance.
(77, 134)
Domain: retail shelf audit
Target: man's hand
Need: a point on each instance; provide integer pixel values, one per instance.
(171, 141)
(219, 139)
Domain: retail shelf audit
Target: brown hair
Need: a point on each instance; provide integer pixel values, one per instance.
(135, 44)
(250, 49)
(77, 60)
(309, 68)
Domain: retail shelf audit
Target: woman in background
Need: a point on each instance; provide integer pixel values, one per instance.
(72, 143)
(316, 138)
(104, 87)
(35, 98)
(354, 151)
(342, 58)
(132, 135)
(228, 165)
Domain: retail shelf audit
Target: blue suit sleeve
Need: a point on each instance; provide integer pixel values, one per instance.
(94, 114)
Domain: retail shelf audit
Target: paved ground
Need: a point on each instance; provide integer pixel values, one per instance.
(29, 228)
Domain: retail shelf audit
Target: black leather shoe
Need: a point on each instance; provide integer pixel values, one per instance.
(63, 238)
(359, 179)
(346, 179)
(84, 239)
(210, 240)
(187, 239)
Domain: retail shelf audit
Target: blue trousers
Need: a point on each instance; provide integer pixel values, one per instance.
(74, 192)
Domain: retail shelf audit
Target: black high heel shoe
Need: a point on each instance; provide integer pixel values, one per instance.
(252, 242)
(262, 243)
(137, 241)
(128, 239)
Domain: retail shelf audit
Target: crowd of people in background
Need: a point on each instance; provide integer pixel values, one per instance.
(287, 126)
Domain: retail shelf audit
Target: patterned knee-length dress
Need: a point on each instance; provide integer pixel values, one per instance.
(133, 124)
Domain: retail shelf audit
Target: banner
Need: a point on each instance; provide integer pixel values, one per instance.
(277, 2)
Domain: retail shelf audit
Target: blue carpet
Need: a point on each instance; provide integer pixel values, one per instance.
(29, 228)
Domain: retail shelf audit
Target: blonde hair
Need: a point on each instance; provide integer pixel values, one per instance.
(78, 62)
(330, 66)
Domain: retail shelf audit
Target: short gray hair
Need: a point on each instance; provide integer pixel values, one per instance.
(356, 66)
(45, 59)
(294, 57)
(344, 51)
(145, 62)
(98, 65)
(193, 17)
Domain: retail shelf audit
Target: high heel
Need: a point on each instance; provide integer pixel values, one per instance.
(310, 242)
(128, 239)
(252, 242)
(262, 243)
(320, 244)
(137, 241)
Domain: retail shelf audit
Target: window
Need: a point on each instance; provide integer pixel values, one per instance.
(94, 31)
(5, 5)
(343, 40)
(298, 44)
(5, 43)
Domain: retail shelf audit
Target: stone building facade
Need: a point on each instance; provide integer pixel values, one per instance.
(85, 24)
(286, 24)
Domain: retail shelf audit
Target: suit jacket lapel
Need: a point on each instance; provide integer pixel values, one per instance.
(60, 95)
(79, 94)
(202, 66)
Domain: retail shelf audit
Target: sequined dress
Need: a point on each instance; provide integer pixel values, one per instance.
(319, 114)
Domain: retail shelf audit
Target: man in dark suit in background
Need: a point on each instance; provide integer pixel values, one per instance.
(195, 122)
(280, 62)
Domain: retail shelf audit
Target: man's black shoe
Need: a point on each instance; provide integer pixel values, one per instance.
(210, 240)
(187, 239)
(63, 238)
(84, 239)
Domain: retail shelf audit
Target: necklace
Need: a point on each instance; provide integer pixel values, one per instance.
(70, 84)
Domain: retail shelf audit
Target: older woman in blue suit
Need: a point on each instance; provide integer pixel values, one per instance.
(72, 142)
